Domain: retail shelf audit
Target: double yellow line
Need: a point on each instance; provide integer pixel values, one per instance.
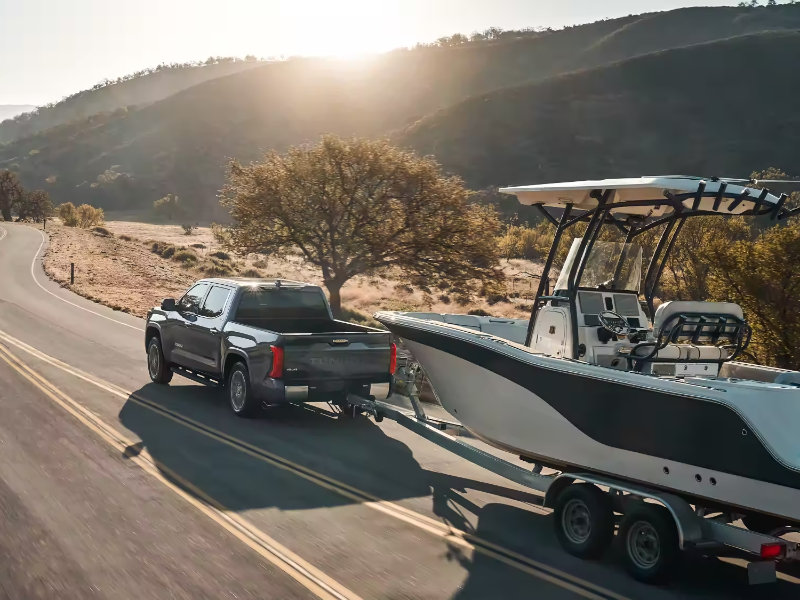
(290, 563)
(302, 571)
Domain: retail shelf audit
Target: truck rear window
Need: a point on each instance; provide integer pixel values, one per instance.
(281, 303)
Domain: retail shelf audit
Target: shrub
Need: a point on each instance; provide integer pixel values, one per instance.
(260, 264)
(68, 214)
(252, 273)
(163, 249)
(198, 245)
(188, 229)
(185, 256)
(102, 231)
(220, 255)
(479, 312)
(444, 299)
(127, 238)
(526, 242)
(89, 216)
(215, 267)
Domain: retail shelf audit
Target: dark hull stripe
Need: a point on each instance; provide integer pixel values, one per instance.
(677, 428)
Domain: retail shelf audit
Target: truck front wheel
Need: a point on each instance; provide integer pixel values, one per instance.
(239, 394)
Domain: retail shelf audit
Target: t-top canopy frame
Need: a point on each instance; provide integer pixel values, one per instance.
(634, 206)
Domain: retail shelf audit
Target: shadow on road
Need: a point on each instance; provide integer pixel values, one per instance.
(358, 453)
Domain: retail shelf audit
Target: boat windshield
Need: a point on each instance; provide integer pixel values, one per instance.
(610, 266)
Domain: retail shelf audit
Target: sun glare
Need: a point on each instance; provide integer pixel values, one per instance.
(342, 28)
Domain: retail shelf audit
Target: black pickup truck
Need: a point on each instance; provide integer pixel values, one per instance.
(267, 342)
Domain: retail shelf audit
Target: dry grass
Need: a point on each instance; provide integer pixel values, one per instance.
(123, 272)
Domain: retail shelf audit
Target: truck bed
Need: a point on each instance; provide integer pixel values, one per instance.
(288, 326)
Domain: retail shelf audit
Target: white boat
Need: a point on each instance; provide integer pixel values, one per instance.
(599, 381)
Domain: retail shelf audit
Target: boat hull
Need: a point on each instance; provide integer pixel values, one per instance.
(562, 413)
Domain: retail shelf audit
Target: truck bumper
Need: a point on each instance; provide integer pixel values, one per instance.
(275, 391)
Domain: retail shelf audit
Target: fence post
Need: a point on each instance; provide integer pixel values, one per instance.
(71, 273)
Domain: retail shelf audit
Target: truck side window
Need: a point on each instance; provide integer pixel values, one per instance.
(215, 302)
(193, 299)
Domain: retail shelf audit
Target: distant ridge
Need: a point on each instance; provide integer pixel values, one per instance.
(7, 111)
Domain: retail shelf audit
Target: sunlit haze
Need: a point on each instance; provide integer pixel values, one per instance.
(49, 48)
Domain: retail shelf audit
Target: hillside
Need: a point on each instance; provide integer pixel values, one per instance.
(8, 111)
(129, 158)
(723, 108)
(140, 89)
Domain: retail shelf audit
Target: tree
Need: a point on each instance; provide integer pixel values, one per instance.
(763, 277)
(35, 205)
(169, 207)
(361, 207)
(10, 193)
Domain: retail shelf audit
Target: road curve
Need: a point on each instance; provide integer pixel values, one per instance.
(112, 487)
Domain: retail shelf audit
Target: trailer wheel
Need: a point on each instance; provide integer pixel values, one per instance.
(650, 542)
(584, 520)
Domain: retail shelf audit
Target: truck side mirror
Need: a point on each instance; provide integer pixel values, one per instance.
(168, 304)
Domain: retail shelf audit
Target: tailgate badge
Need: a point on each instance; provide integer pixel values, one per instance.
(340, 341)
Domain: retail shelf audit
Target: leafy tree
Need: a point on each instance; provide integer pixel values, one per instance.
(10, 193)
(361, 207)
(35, 205)
(763, 276)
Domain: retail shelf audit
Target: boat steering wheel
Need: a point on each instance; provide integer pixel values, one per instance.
(615, 323)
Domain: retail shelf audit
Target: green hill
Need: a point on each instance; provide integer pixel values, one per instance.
(456, 96)
(724, 108)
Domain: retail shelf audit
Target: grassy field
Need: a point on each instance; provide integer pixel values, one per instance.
(132, 266)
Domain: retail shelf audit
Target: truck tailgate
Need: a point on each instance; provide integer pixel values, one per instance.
(329, 357)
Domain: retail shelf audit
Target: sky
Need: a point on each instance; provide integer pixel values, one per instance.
(52, 48)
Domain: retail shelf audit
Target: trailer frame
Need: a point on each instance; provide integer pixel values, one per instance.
(697, 531)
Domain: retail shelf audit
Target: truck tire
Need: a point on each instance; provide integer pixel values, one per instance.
(584, 520)
(238, 391)
(649, 539)
(157, 367)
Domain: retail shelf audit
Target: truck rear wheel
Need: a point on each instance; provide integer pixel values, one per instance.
(584, 520)
(240, 396)
(157, 367)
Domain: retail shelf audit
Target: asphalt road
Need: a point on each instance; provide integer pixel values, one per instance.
(111, 487)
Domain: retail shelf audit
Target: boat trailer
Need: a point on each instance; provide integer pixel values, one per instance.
(572, 495)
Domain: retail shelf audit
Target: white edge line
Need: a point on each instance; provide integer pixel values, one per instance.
(36, 281)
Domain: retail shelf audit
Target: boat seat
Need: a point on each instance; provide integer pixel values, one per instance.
(688, 331)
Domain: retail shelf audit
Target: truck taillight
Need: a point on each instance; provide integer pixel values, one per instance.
(277, 362)
(392, 359)
(773, 551)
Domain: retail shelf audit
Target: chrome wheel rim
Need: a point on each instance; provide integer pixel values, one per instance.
(238, 390)
(153, 360)
(644, 545)
(576, 521)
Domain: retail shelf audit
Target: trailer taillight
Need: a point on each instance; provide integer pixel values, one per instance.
(277, 362)
(774, 550)
(392, 359)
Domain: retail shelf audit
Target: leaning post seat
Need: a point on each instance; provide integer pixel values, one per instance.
(699, 332)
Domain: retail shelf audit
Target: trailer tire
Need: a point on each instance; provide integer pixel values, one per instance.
(240, 396)
(157, 366)
(649, 539)
(584, 520)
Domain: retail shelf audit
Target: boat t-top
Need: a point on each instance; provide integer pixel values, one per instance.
(600, 380)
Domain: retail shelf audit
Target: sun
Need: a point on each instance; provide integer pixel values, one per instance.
(340, 28)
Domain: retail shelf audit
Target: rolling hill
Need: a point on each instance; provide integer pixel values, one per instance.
(141, 89)
(591, 99)
(724, 108)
